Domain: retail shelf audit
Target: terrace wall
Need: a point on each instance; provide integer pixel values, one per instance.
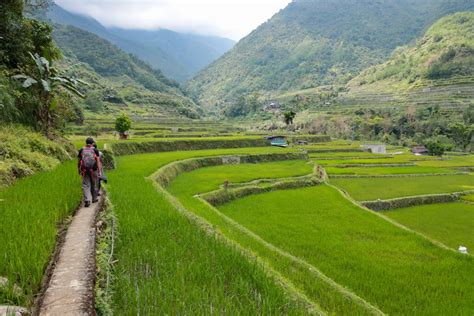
(130, 148)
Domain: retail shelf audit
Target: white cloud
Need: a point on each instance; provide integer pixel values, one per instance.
(229, 18)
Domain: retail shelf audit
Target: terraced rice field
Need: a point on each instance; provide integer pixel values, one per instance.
(167, 258)
(279, 248)
(30, 212)
(330, 233)
(450, 223)
(368, 189)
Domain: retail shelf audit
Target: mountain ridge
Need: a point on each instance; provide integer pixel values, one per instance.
(178, 55)
(314, 43)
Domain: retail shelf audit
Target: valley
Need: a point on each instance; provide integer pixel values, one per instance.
(322, 165)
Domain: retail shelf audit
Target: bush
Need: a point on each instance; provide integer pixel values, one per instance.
(24, 152)
(123, 124)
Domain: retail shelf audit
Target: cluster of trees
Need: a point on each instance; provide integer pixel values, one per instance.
(428, 126)
(32, 91)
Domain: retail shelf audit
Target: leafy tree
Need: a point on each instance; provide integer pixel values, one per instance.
(123, 124)
(437, 146)
(462, 134)
(468, 115)
(94, 101)
(288, 117)
(46, 82)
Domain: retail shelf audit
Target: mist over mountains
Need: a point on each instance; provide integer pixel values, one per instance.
(179, 56)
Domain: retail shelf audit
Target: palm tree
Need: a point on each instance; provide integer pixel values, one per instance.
(45, 82)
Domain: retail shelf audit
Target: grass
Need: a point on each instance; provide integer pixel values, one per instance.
(399, 159)
(396, 270)
(308, 281)
(367, 189)
(208, 179)
(449, 162)
(347, 155)
(167, 264)
(31, 211)
(387, 170)
(79, 141)
(450, 223)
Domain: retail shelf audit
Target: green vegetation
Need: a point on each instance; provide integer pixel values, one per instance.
(120, 79)
(31, 211)
(170, 269)
(177, 55)
(123, 124)
(366, 189)
(27, 53)
(377, 263)
(24, 152)
(387, 170)
(450, 223)
(446, 50)
(313, 43)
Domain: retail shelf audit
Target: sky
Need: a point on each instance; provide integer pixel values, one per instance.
(227, 18)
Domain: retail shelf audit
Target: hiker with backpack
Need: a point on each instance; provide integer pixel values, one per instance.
(102, 177)
(89, 166)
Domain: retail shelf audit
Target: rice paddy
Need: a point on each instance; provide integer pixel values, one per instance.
(450, 223)
(291, 251)
(31, 211)
(367, 189)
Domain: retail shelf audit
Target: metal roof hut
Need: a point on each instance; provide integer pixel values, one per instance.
(419, 150)
(279, 141)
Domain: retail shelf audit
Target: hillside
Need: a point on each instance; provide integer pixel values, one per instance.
(118, 78)
(445, 51)
(438, 69)
(314, 43)
(180, 56)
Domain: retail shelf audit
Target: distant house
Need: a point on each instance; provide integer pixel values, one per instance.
(272, 107)
(419, 150)
(279, 141)
(376, 148)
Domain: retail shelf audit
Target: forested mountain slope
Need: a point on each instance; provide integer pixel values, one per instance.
(446, 51)
(178, 55)
(117, 77)
(316, 42)
(437, 70)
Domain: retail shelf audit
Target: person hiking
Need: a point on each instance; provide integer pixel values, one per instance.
(102, 177)
(89, 167)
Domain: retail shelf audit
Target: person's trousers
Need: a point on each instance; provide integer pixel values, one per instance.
(90, 186)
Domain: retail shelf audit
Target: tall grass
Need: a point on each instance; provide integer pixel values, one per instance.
(450, 223)
(387, 170)
(167, 264)
(30, 212)
(396, 270)
(367, 189)
(305, 279)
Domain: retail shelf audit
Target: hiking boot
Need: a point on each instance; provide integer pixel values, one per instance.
(87, 204)
(95, 201)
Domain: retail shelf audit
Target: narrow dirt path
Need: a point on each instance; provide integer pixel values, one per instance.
(71, 288)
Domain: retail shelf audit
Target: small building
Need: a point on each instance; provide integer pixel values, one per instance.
(376, 148)
(272, 107)
(279, 141)
(419, 150)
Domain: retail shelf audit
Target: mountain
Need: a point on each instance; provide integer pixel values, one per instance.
(121, 80)
(437, 70)
(180, 56)
(312, 43)
(445, 52)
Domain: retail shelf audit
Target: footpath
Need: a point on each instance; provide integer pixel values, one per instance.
(70, 290)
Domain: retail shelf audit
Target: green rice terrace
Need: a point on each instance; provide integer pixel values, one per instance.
(227, 224)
